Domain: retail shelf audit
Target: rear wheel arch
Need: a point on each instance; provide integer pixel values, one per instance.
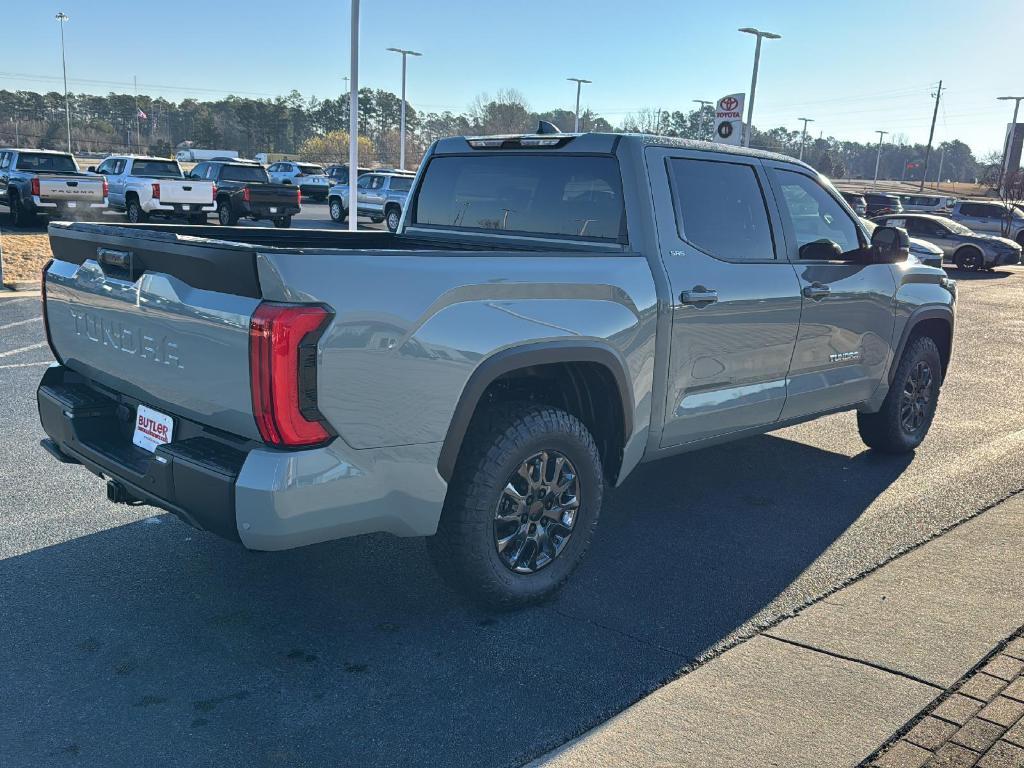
(586, 379)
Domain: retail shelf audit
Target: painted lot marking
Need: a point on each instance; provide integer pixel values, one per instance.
(10, 352)
(21, 322)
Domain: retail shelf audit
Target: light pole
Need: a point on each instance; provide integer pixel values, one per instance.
(63, 18)
(1013, 132)
(353, 122)
(753, 80)
(703, 104)
(878, 156)
(803, 136)
(401, 141)
(579, 84)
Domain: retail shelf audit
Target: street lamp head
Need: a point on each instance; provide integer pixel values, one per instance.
(759, 33)
(806, 119)
(62, 17)
(405, 51)
(1010, 98)
(578, 80)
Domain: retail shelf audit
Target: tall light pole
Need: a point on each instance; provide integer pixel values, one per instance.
(1013, 132)
(878, 156)
(803, 136)
(703, 104)
(353, 123)
(63, 18)
(579, 84)
(401, 142)
(753, 80)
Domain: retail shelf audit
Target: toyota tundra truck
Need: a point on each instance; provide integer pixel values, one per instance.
(554, 310)
(155, 186)
(36, 182)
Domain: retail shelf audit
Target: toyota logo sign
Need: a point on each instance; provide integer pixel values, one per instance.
(728, 104)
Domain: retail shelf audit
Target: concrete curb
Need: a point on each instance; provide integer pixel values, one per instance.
(22, 285)
(829, 685)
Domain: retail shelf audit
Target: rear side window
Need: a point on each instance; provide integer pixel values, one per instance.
(814, 214)
(311, 170)
(400, 185)
(37, 161)
(557, 195)
(720, 209)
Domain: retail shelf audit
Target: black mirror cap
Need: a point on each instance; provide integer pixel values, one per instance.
(890, 245)
(821, 250)
(92, 169)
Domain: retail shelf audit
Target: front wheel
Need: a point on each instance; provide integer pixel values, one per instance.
(337, 210)
(283, 222)
(909, 407)
(969, 259)
(522, 506)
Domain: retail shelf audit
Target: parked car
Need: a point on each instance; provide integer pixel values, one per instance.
(198, 155)
(38, 182)
(382, 197)
(880, 204)
(244, 191)
(311, 179)
(969, 250)
(990, 217)
(920, 203)
(857, 202)
(552, 311)
(921, 251)
(154, 186)
(338, 174)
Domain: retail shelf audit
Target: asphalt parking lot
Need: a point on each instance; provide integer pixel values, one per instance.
(128, 638)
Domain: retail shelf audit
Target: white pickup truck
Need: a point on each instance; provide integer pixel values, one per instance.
(155, 186)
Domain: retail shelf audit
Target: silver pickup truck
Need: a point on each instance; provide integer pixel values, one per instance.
(36, 182)
(554, 310)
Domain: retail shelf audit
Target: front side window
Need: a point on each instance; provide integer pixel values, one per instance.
(377, 182)
(720, 209)
(572, 196)
(814, 214)
(107, 166)
(5, 160)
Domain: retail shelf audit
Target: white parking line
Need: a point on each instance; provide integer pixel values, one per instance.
(25, 365)
(21, 322)
(10, 352)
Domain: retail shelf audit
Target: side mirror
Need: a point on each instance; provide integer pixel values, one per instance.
(92, 169)
(890, 245)
(821, 250)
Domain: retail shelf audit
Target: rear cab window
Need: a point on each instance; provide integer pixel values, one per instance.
(39, 161)
(254, 173)
(575, 197)
(166, 169)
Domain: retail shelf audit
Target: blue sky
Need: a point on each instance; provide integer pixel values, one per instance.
(852, 66)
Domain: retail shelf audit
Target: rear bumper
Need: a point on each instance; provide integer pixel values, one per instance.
(152, 206)
(265, 498)
(314, 190)
(262, 210)
(39, 205)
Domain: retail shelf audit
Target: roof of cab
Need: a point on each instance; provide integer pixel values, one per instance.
(35, 151)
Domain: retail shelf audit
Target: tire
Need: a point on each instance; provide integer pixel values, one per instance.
(909, 407)
(337, 210)
(502, 441)
(225, 213)
(283, 222)
(393, 217)
(376, 219)
(969, 259)
(19, 216)
(134, 212)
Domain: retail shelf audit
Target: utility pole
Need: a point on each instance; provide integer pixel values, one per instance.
(579, 85)
(703, 104)
(401, 141)
(1008, 142)
(803, 136)
(353, 122)
(63, 18)
(753, 78)
(931, 135)
(878, 157)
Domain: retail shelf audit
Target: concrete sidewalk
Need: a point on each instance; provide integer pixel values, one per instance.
(830, 685)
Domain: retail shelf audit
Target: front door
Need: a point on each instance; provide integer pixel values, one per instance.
(735, 296)
(848, 317)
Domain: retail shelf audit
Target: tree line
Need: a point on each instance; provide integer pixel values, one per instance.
(293, 124)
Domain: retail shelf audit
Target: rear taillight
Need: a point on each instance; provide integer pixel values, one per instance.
(106, 187)
(283, 371)
(213, 193)
(245, 194)
(156, 191)
(46, 320)
(35, 186)
(298, 196)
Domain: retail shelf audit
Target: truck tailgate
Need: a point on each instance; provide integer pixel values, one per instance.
(273, 194)
(174, 342)
(54, 188)
(186, 192)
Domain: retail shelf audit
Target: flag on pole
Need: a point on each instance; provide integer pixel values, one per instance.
(142, 114)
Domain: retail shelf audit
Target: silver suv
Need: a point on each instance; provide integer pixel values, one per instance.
(309, 178)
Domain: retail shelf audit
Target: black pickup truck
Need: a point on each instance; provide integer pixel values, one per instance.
(244, 191)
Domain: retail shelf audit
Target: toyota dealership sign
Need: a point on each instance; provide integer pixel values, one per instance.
(729, 119)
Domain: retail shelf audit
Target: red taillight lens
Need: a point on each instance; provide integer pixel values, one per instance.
(156, 191)
(213, 194)
(298, 196)
(282, 366)
(245, 194)
(106, 187)
(46, 320)
(35, 186)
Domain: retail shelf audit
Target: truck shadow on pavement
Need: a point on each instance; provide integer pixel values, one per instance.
(153, 644)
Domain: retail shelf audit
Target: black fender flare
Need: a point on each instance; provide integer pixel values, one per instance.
(933, 312)
(525, 356)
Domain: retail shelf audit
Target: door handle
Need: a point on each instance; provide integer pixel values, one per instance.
(816, 291)
(699, 296)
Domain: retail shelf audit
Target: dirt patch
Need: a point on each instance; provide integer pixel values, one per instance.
(23, 254)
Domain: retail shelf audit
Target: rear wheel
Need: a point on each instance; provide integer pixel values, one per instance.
(969, 259)
(337, 210)
(19, 216)
(283, 222)
(394, 216)
(522, 506)
(909, 407)
(376, 219)
(225, 214)
(135, 213)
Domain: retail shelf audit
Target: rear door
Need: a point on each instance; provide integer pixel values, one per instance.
(735, 296)
(982, 217)
(848, 316)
